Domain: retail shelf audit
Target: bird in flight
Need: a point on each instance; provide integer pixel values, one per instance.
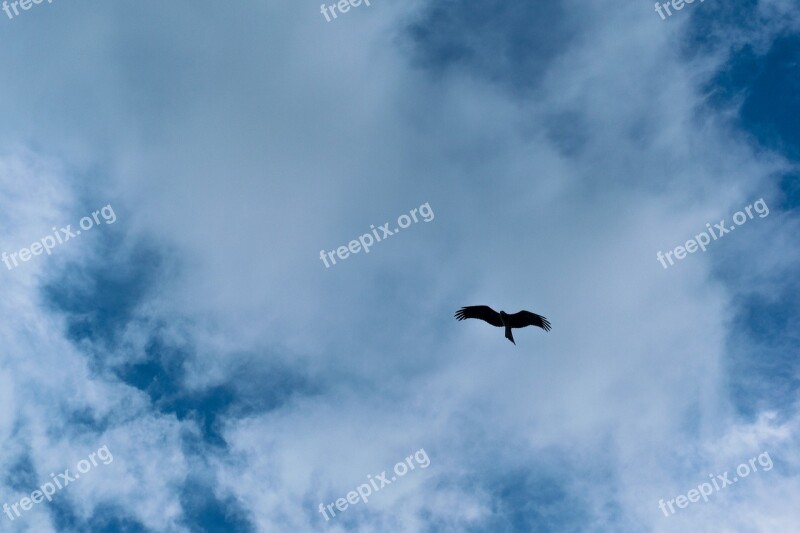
(503, 319)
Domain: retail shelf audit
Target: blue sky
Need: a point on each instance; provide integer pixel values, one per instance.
(239, 383)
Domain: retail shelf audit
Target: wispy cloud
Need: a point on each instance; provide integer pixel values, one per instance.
(239, 384)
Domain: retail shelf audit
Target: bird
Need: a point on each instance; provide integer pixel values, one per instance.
(503, 319)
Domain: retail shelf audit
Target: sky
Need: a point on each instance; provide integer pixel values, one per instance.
(192, 347)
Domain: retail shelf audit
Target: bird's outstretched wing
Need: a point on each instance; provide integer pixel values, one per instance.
(526, 318)
(483, 312)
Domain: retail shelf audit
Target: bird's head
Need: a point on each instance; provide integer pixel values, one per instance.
(503, 316)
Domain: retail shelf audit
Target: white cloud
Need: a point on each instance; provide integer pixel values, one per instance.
(335, 129)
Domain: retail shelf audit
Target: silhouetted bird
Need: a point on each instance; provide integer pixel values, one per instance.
(503, 319)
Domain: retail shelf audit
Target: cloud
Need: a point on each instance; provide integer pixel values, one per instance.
(239, 383)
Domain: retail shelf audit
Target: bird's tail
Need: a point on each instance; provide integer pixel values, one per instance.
(509, 336)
